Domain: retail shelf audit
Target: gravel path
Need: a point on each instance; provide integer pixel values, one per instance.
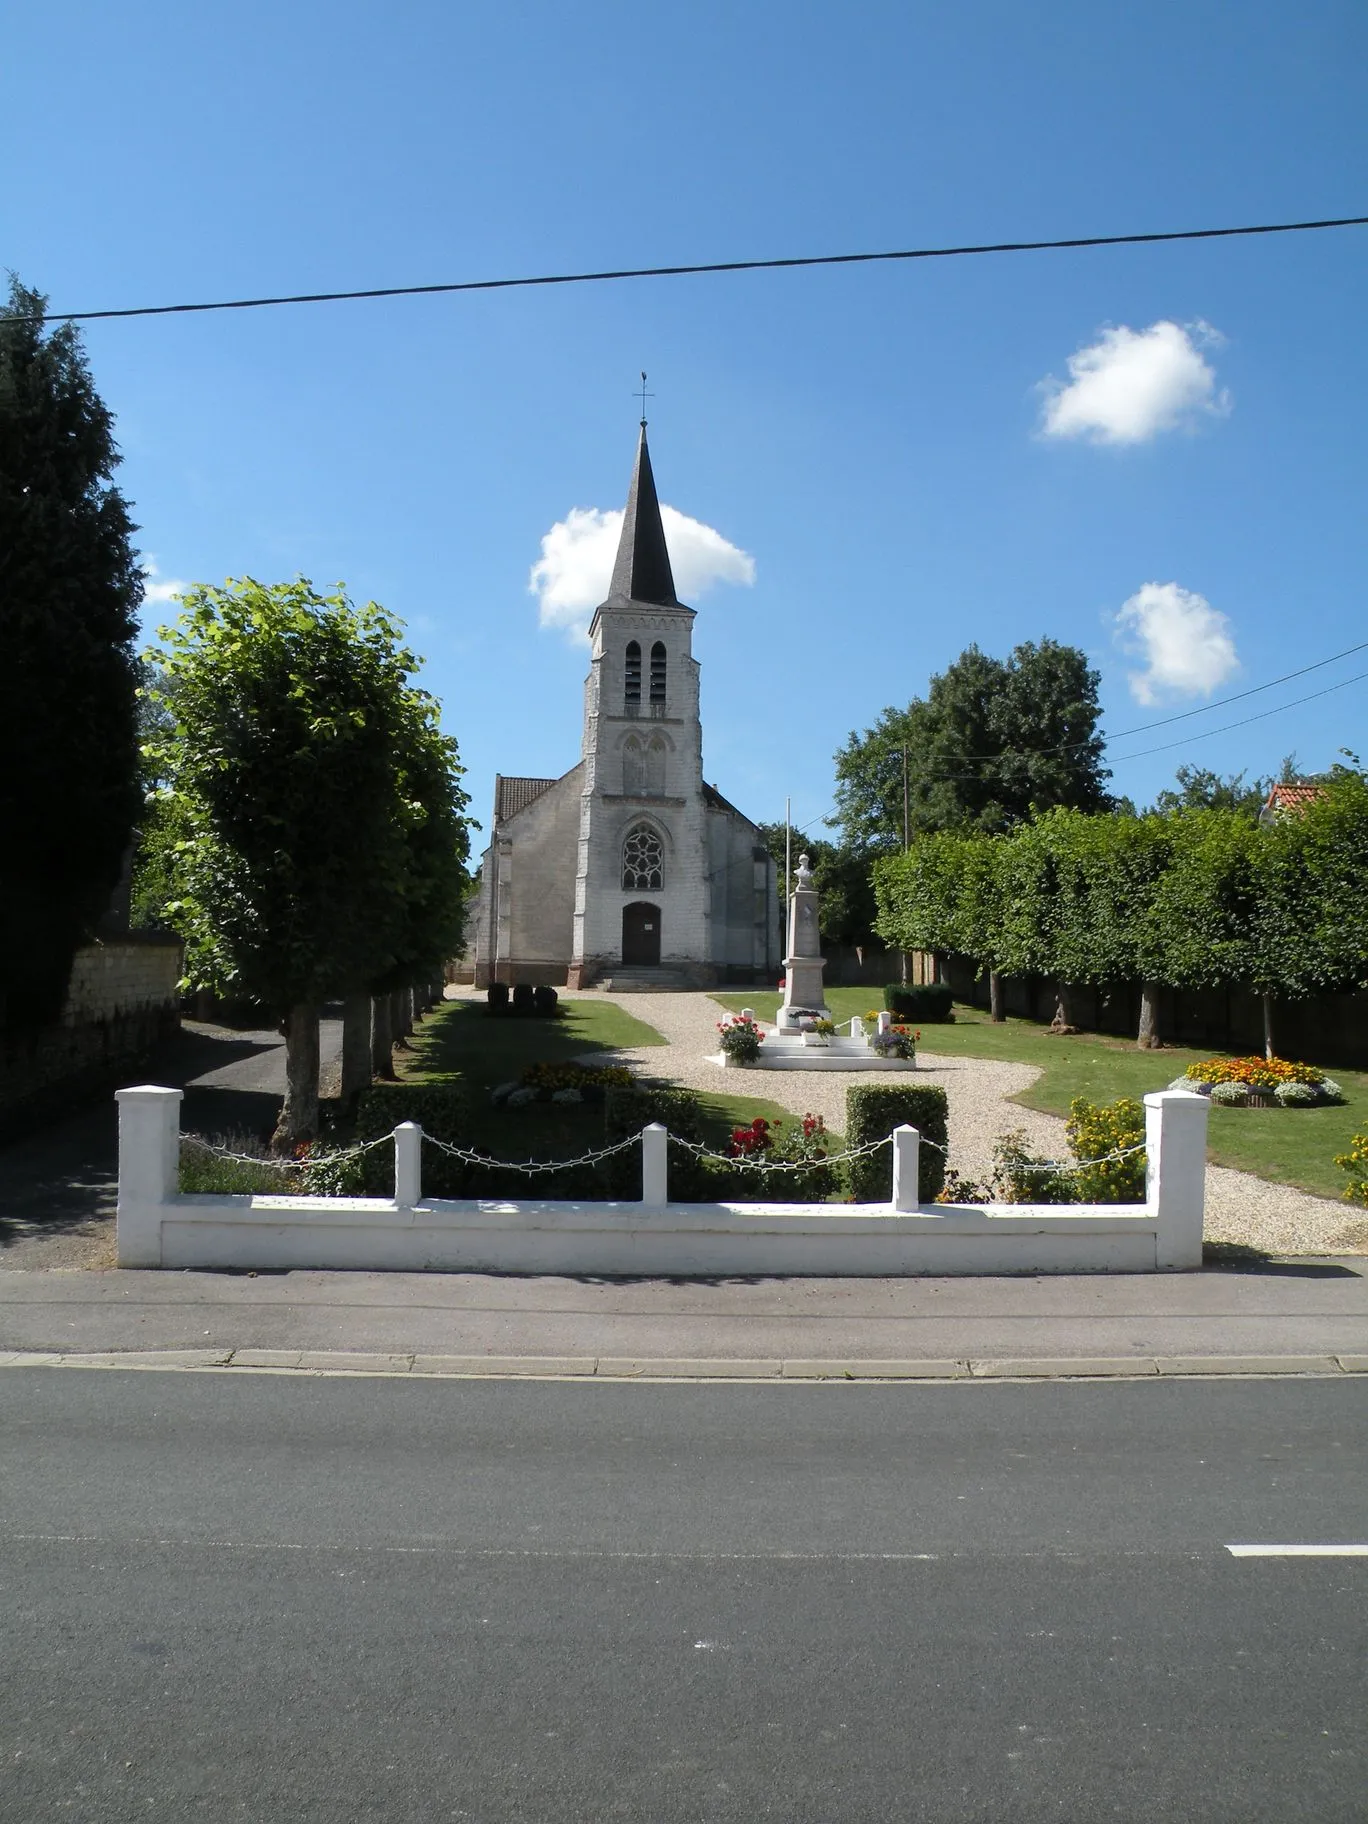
(1239, 1206)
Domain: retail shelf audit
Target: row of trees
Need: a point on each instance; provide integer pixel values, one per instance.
(1198, 897)
(306, 834)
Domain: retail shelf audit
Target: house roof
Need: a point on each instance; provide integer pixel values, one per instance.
(1293, 796)
(642, 571)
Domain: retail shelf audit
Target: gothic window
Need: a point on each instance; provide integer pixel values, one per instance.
(643, 860)
(633, 692)
(633, 769)
(655, 767)
(657, 673)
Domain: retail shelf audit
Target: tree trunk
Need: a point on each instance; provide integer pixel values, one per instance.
(299, 1111)
(997, 1012)
(1064, 1020)
(1267, 1000)
(356, 1045)
(401, 1015)
(382, 1038)
(1148, 1038)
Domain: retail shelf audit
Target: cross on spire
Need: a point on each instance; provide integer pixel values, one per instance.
(644, 397)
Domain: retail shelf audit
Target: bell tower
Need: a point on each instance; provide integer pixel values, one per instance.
(641, 881)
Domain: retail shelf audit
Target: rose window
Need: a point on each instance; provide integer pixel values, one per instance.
(642, 861)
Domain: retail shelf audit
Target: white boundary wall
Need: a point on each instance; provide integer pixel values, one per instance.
(157, 1227)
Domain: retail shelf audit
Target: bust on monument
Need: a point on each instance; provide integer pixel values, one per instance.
(804, 995)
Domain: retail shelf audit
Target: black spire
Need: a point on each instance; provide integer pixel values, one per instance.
(642, 572)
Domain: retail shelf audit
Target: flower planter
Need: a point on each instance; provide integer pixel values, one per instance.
(1261, 1098)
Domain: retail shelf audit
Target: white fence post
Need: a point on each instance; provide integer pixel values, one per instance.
(149, 1170)
(655, 1164)
(1175, 1174)
(408, 1164)
(906, 1169)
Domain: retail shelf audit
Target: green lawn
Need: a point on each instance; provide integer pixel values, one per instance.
(1294, 1146)
(461, 1038)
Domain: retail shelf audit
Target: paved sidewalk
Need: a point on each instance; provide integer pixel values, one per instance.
(1285, 1311)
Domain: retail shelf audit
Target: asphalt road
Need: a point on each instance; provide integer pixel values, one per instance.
(257, 1597)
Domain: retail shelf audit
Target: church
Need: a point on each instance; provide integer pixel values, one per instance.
(628, 871)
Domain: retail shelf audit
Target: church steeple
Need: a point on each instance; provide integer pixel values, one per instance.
(642, 572)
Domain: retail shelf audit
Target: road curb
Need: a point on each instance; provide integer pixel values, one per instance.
(325, 1362)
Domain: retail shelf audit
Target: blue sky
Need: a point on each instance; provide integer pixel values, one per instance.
(876, 440)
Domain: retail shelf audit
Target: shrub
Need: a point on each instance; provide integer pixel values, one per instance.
(1094, 1131)
(875, 1109)
(1230, 1095)
(1355, 1163)
(804, 1145)
(626, 1111)
(524, 999)
(1297, 1095)
(203, 1171)
(440, 1109)
(1331, 1092)
(929, 1001)
(496, 997)
(1021, 1176)
(544, 1000)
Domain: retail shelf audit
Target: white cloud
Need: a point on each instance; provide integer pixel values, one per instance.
(1133, 383)
(159, 588)
(572, 575)
(1185, 643)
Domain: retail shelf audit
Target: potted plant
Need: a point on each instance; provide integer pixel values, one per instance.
(897, 1042)
(818, 1036)
(741, 1039)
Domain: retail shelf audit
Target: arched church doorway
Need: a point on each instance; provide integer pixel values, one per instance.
(640, 934)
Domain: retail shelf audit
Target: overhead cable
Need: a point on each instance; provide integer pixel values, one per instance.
(612, 275)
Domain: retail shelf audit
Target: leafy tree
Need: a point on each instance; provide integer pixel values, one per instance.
(943, 895)
(71, 586)
(993, 740)
(1198, 788)
(311, 793)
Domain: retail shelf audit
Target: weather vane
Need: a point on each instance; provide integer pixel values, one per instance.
(644, 397)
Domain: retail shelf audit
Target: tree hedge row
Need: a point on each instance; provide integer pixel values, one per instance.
(1192, 899)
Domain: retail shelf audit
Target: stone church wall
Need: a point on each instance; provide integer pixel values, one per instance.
(527, 897)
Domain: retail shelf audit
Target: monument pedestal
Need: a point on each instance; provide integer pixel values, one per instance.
(804, 994)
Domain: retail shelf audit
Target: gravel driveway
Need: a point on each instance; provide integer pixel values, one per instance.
(1239, 1206)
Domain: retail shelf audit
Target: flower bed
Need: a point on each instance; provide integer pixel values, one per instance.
(561, 1082)
(1260, 1083)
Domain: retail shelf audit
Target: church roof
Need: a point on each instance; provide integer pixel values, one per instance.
(642, 572)
(512, 795)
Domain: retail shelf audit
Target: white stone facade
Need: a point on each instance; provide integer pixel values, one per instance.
(629, 861)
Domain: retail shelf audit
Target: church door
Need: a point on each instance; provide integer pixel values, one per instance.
(640, 934)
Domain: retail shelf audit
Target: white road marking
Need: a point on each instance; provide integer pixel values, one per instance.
(1298, 1551)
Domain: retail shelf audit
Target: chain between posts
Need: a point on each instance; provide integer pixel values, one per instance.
(327, 1157)
(530, 1166)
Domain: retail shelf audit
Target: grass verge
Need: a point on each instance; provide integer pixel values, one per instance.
(1293, 1146)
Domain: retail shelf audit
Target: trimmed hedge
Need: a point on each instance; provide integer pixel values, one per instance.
(875, 1109)
(544, 999)
(626, 1111)
(930, 1003)
(524, 1001)
(496, 997)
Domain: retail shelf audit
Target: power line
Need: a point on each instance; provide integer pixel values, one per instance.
(1246, 720)
(1183, 715)
(682, 271)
